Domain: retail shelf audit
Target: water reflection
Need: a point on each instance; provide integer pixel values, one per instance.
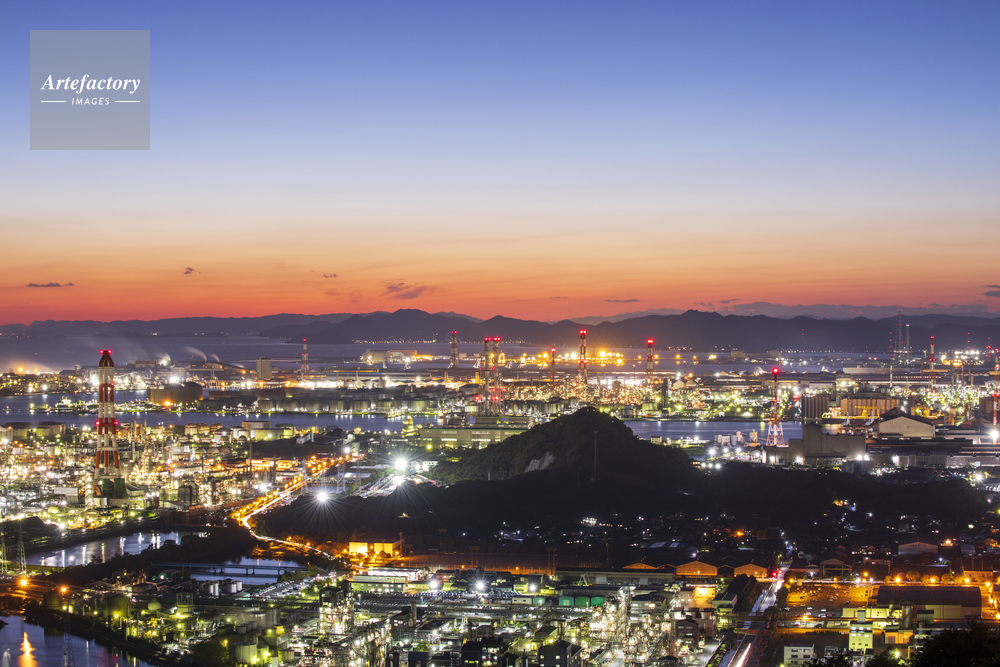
(82, 554)
(27, 645)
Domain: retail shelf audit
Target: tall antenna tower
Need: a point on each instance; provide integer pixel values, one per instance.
(775, 434)
(581, 368)
(305, 360)
(454, 350)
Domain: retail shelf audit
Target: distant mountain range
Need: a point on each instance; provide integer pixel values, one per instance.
(691, 329)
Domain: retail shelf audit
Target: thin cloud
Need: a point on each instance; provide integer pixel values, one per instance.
(729, 300)
(621, 300)
(994, 286)
(405, 292)
(330, 275)
(558, 297)
(50, 285)
(188, 271)
(992, 292)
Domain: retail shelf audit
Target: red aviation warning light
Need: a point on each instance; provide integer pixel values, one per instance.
(649, 341)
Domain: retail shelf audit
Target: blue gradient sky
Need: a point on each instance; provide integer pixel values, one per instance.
(486, 157)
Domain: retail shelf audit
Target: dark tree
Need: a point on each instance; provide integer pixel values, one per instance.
(210, 653)
(976, 646)
(886, 659)
(835, 661)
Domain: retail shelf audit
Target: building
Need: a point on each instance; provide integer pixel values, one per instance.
(476, 437)
(176, 394)
(938, 603)
(485, 652)
(861, 636)
(817, 447)
(377, 584)
(374, 546)
(797, 655)
(697, 568)
(688, 631)
(263, 371)
(917, 548)
(560, 653)
(897, 424)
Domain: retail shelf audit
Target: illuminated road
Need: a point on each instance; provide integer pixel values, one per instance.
(738, 657)
(268, 501)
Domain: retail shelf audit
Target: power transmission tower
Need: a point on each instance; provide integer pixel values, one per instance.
(69, 653)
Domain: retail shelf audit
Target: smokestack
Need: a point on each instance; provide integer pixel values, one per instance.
(649, 360)
(582, 365)
(552, 365)
(454, 350)
(106, 463)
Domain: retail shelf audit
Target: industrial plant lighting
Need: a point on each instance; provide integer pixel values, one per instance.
(322, 496)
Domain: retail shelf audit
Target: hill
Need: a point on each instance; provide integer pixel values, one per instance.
(498, 486)
(585, 441)
(692, 329)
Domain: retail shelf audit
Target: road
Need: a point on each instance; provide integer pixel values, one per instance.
(268, 501)
(738, 657)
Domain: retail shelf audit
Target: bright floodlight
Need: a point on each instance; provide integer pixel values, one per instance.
(400, 464)
(480, 586)
(322, 496)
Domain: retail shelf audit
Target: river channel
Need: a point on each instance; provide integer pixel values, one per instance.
(28, 409)
(24, 644)
(109, 547)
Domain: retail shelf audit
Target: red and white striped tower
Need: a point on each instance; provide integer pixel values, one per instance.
(454, 350)
(581, 368)
(106, 463)
(305, 359)
(496, 398)
(932, 361)
(649, 361)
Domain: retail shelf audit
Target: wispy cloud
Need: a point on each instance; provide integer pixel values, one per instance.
(994, 286)
(188, 271)
(50, 285)
(992, 292)
(621, 300)
(330, 275)
(729, 300)
(406, 292)
(558, 297)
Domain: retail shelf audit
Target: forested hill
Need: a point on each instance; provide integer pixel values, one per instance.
(570, 441)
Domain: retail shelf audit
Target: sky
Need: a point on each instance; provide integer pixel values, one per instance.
(527, 159)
